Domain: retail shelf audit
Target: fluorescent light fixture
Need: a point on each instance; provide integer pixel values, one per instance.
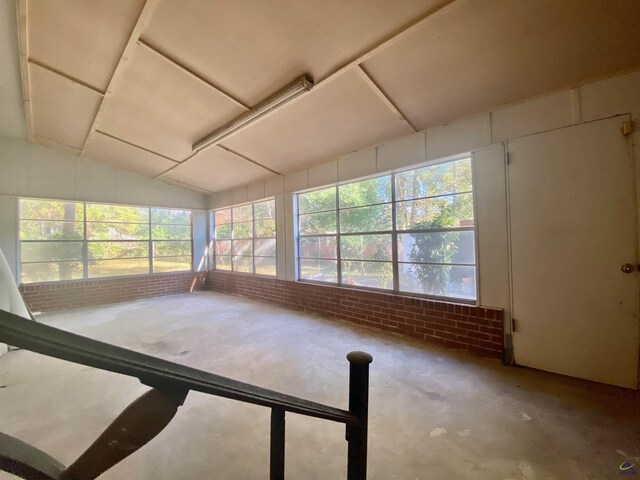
(284, 96)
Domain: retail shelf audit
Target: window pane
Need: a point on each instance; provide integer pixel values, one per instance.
(170, 216)
(366, 219)
(368, 274)
(222, 217)
(242, 214)
(366, 247)
(113, 250)
(223, 231)
(243, 264)
(265, 228)
(172, 264)
(172, 249)
(51, 272)
(266, 266)
(265, 209)
(450, 177)
(317, 247)
(117, 231)
(48, 251)
(223, 262)
(171, 232)
(366, 192)
(243, 230)
(265, 247)
(114, 268)
(437, 247)
(319, 270)
(223, 247)
(50, 230)
(324, 222)
(317, 201)
(440, 212)
(51, 210)
(440, 280)
(116, 213)
(243, 247)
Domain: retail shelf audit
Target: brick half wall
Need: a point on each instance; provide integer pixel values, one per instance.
(45, 297)
(478, 330)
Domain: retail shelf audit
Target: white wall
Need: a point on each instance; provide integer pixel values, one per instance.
(484, 136)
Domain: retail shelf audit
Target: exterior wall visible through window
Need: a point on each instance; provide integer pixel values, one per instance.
(62, 240)
(411, 231)
(245, 238)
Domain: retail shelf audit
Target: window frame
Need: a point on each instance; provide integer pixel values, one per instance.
(253, 238)
(394, 232)
(85, 240)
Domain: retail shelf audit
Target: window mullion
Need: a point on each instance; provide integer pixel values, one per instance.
(150, 243)
(85, 244)
(394, 237)
(338, 240)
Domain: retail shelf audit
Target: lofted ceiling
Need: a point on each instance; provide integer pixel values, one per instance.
(136, 83)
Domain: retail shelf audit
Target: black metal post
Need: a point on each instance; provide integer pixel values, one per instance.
(358, 406)
(277, 444)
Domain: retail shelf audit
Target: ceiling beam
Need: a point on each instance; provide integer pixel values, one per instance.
(156, 51)
(37, 63)
(23, 41)
(368, 79)
(143, 19)
(122, 140)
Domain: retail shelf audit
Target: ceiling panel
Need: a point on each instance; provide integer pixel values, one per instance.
(159, 107)
(82, 38)
(340, 117)
(126, 157)
(474, 55)
(215, 169)
(63, 111)
(252, 49)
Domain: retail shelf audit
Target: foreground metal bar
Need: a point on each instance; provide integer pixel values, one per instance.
(358, 406)
(277, 444)
(25, 461)
(155, 372)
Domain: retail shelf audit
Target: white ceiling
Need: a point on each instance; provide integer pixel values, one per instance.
(135, 83)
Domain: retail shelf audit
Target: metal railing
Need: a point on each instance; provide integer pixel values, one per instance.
(142, 420)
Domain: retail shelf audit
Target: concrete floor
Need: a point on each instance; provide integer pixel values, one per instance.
(435, 413)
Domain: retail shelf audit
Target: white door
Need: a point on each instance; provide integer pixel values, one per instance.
(573, 225)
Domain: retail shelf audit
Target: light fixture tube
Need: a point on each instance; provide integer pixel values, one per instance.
(284, 96)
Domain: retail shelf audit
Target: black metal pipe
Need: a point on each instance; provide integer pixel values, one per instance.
(359, 407)
(277, 444)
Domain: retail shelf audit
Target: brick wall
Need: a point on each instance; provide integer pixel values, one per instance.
(43, 297)
(474, 329)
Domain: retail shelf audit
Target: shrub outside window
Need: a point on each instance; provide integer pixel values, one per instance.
(62, 240)
(245, 238)
(408, 232)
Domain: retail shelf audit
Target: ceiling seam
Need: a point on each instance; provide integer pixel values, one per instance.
(156, 51)
(398, 35)
(23, 42)
(248, 159)
(57, 143)
(133, 37)
(386, 99)
(169, 180)
(33, 61)
(136, 146)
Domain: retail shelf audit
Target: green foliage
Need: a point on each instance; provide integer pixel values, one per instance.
(317, 201)
(117, 238)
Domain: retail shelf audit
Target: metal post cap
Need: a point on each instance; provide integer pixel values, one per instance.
(359, 358)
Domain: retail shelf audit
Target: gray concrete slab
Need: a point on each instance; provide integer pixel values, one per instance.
(435, 413)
